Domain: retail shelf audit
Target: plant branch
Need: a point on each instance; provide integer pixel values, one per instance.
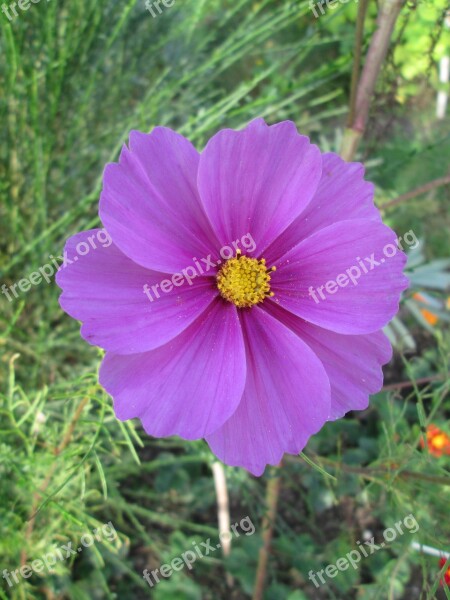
(372, 472)
(406, 384)
(39, 493)
(423, 189)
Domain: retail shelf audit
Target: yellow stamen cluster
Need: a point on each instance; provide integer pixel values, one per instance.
(244, 281)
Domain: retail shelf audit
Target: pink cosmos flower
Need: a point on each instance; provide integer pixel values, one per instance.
(254, 360)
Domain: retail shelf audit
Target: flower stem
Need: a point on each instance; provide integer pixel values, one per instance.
(268, 523)
(357, 52)
(223, 511)
(361, 99)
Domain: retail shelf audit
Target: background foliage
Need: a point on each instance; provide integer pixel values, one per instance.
(75, 77)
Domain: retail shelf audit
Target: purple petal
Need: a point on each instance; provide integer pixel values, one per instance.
(104, 290)
(343, 194)
(150, 204)
(257, 180)
(352, 362)
(190, 386)
(318, 279)
(286, 397)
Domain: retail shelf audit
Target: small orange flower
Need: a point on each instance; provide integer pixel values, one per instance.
(429, 316)
(442, 562)
(438, 441)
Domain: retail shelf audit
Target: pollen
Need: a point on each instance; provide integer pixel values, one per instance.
(244, 281)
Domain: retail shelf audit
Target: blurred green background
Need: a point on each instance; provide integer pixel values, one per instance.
(75, 77)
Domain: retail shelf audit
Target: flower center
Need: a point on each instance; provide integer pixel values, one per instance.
(244, 281)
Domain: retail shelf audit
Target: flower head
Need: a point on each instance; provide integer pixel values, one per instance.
(430, 317)
(438, 441)
(442, 562)
(253, 346)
